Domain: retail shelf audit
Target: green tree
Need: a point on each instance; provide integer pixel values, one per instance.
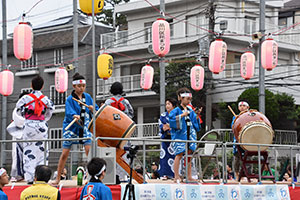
(280, 108)
(106, 16)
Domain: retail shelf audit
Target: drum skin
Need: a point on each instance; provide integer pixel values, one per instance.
(111, 122)
(253, 127)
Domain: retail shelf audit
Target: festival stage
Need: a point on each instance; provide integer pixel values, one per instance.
(167, 190)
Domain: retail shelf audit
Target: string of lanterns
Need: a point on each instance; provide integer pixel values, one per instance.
(23, 43)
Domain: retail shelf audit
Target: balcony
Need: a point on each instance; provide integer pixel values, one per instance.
(131, 83)
(191, 29)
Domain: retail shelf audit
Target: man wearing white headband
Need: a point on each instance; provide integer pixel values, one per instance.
(242, 106)
(3, 181)
(95, 189)
(82, 113)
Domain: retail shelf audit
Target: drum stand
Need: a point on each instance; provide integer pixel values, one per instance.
(244, 158)
(123, 163)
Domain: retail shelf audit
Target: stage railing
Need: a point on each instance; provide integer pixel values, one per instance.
(224, 147)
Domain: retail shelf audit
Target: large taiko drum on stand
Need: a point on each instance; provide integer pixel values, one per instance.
(111, 122)
(253, 127)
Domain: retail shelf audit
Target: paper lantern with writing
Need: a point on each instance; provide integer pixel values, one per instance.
(86, 6)
(7, 82)
(146, 77)
(105, 65)
(161, 37)
(61, 80)
(23, 39)
(217, 56)
(269, 54)
(247, 65)
(197, 77)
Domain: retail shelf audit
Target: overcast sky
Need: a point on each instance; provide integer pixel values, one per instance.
(43, 12)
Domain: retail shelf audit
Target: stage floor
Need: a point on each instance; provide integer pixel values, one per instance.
(168, 190)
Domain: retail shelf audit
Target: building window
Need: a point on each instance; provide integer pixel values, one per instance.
(56, 97)
(58, 56)
(29, 90)
(55, 133)
(250, 25)
(148, 32)
(30, 63)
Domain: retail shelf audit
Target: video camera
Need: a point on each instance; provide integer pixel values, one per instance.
(132, 150)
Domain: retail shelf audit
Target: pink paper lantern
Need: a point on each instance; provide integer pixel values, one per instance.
(269, 54)
(146, 77)
(217, 56)
(23, 39)
(197, 77)
(161, 37)
(7, 82)
(61, 80)
(247, 65)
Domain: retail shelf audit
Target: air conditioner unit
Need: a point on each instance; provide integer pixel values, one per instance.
(109, 155)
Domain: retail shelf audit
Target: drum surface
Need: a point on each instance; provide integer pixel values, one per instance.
(111, 122)
(253, 127)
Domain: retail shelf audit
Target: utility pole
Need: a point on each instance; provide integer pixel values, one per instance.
(208, 113)
(261, 100)
(162, 68)
(75, 35)
(94, 68)
(4, 99)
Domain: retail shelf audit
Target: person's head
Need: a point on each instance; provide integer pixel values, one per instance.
(42, 173)
(228, 168)
(3, 177)
(64, 171)
(116, 88)
(286, 176)
(37, 83)
(170, 104)
(79, 83)
(184, 96)
(155, 175)
(243, 106)
(154, 166)
(97, 168)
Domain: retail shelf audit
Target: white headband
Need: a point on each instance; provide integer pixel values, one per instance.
(81, 81)
(2, 170)
(186, 94)
(100, 172)
(243, 103)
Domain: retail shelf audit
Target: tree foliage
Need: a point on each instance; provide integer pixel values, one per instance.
(106, 16)
(280, 108)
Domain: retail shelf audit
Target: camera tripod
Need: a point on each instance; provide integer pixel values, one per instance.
(130, 187)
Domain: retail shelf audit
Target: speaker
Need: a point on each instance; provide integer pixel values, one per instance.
(109, 155)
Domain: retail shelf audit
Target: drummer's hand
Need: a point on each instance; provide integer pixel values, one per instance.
(91, 108)
(76, 117)
(184, 114)
(166, 127)
(198, 112)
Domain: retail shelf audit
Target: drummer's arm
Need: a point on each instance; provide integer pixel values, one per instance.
(70, 111)
(196, 122)
(175, 119)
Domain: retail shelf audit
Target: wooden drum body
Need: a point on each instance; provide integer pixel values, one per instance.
(253, 127)
(111, 122)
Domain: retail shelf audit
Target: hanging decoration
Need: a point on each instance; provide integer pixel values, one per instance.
(197, 77)
(23, 40)
(247, 65)
(147, 77)
(217, 56)
(269, 54)
(86, 6)
(7, 82)
(161, 37)
(105, 64)
(61, 80)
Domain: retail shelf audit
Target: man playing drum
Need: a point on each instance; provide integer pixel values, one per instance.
(243, 106)
(80, 112)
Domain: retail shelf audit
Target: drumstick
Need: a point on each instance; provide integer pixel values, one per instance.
(72, 122)
(231, 110)
(80, 102)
